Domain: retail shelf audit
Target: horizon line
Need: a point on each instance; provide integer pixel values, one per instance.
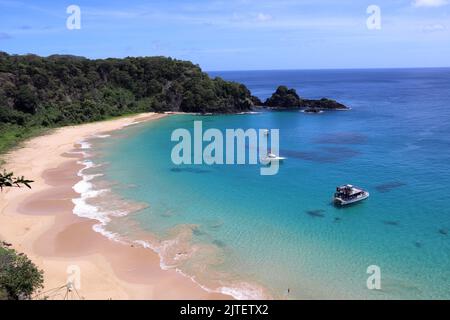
(229, 70)
(329, 69)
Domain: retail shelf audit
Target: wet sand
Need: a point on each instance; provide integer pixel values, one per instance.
(40, 223)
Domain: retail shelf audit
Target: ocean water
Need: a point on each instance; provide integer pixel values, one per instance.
(235, 231)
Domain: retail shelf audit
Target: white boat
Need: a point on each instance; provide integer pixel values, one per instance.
(272, 157)
(266, 132)
(312, 111)
(349, 194)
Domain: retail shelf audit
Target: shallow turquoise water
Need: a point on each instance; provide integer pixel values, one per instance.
(281, 231)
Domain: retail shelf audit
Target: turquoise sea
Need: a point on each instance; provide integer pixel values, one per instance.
(235, 231)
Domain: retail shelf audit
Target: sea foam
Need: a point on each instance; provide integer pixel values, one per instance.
(166, 249)
(85, 189)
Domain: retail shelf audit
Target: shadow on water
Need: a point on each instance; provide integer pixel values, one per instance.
(316, 213)
(389, 186)
(344, 138)
(323, 155)
(391, 223)
(189, 170)
(347, 206)
(198, 232)
(167, 214)
(215, 224)
(219, 243)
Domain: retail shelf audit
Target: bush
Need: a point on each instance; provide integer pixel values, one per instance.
(19, 277)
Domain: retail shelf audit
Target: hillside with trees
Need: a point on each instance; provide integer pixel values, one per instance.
(38, 92)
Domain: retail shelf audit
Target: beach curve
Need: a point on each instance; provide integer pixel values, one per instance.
(40, 223)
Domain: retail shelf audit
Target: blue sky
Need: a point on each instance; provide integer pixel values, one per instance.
(236, 34)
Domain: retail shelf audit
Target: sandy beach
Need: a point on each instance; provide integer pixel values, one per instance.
(40, 223)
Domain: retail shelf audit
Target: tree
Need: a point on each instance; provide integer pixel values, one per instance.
(8, 180)
(26, 100)
(19, 276)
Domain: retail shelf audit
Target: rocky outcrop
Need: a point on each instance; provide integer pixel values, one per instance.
(285, 98)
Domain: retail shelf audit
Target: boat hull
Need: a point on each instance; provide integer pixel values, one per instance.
(342, 202)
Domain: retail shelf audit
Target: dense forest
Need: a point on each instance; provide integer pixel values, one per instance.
(38, 92)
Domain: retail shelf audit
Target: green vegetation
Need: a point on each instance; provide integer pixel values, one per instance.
(38, 92)
(19, 277)
(12, 134)
(8, 180)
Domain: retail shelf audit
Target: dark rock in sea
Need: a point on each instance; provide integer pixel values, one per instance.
(189, 170)
(418, 244)
(219, 243)
(286, 99)
(443, 232)
(256, 101)
(342, 138)
(386, 187)
(323, 155)
(283, 98)
(197, 232)
(322, 104)
(316, 213)
(391, 223)
(336, 220)
(216, 224)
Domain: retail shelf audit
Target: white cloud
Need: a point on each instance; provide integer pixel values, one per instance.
(429, 3)
(263, 17)
(433, 28)
(250, 18)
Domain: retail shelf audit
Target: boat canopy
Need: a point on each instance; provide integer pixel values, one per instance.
(349, 189)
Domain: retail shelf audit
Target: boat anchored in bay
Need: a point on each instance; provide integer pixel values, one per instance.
(273, 157)
(349, 194)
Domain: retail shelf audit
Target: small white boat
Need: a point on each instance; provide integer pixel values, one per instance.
(272, 157)
(312, 111)
(349, 194)
(266, 132)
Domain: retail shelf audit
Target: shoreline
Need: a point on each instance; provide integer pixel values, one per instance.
(41, 223)
(99, 201)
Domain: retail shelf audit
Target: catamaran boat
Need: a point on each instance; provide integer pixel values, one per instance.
(349, 194)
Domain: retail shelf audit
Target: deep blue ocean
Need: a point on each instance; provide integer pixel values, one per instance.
(235, 231)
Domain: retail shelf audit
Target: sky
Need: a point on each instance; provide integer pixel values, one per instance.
(237, 34)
